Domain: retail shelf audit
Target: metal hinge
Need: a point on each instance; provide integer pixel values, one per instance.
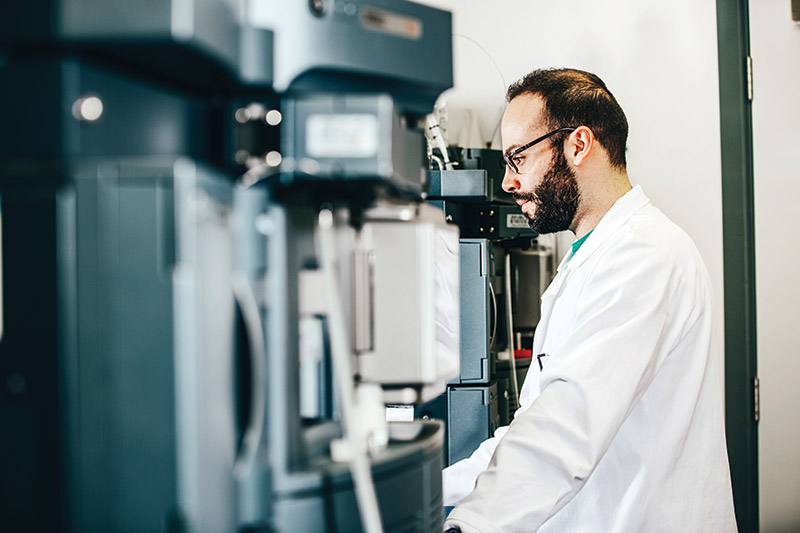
(756, 400)
(750, 78)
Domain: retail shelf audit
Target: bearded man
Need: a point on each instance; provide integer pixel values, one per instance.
(620, 427)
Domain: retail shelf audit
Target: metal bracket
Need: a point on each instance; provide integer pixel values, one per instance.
(756, 400)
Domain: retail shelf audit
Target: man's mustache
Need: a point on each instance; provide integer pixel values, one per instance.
(527, 196)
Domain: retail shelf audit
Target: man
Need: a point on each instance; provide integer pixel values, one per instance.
(620, 427)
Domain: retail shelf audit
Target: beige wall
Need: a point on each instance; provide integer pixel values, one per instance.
(775, 48)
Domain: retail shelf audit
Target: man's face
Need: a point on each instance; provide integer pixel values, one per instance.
(545, 187)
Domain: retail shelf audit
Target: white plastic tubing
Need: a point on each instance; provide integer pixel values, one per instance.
(354, 435)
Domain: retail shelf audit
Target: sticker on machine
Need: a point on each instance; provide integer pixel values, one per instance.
(342, 135)
(392, 23)
(516, 220)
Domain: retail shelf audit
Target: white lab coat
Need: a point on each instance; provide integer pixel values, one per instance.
(622, 429)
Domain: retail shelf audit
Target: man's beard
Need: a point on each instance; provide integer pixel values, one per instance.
(556, 198)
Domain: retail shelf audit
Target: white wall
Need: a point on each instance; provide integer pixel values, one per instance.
(658, 58)
(775, 48)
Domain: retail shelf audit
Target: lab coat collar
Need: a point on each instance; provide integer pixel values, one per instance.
(622, 210)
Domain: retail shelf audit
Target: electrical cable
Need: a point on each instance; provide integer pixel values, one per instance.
(502, 80)
(438, 160)
(434, 135)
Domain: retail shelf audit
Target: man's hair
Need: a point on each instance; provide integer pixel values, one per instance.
(577, 98)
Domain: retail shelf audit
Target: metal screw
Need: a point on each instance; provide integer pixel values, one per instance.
(87, 108)
(273, 117)
(241, 156)
(242, 115)
(273, 158)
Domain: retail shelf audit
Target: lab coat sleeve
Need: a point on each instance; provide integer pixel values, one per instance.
(458, 480)
(628, 315)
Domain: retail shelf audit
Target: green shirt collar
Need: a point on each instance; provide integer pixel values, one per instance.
(577, 244)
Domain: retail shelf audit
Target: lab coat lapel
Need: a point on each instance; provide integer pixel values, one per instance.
(530, 389)
(548, 301)
(619, 214)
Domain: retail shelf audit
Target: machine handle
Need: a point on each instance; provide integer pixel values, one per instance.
(245, 298)
(510, 326)
(493, 321)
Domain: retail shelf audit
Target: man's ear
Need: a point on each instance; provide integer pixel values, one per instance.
(580, 145)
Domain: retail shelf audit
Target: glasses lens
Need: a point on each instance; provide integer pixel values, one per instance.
(510, 164)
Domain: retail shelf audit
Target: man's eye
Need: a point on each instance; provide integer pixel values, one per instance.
(518, 160)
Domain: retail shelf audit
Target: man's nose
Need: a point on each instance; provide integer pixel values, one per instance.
(510, 181)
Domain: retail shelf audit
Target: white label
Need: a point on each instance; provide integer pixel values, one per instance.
(515, 220)
(399, 413)
(342, 135)
(392, 23)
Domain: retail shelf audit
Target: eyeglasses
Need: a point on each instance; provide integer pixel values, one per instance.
(509, 158)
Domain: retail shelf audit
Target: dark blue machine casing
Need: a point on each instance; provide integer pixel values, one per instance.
(382, 46)
(198, 44)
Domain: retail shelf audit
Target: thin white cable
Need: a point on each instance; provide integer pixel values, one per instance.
(434, 135)
(503, 83)
(343, 377)
(438, 161)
